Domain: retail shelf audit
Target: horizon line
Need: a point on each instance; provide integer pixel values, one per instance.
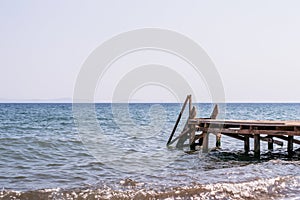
(70, 101)
(144, 102)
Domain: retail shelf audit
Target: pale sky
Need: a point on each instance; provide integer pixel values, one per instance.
(254, 44)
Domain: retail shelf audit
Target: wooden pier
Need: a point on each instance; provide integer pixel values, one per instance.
(196, 131)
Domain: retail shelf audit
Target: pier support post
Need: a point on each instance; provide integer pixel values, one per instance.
(192, 115)
(218, 140)
(270, 143)
(290, 145)
(205, 142)
(257, 145)
(192, 138)
(246, 144)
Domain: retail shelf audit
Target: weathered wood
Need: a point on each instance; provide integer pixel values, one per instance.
(214, 115)
(248, 131)
(286, 139)
(190, 107)
(218, 140)
(205, 142)
(257, 145)
(178, 119)
(186, 131)
(290, 145)
(206, 133)
(239, 129)
(271, 140)
(192, 135)
(183, 138)
(199, 143)
(197, 137)
(246, 144)
(245, 122)
(270, 143)
(189, 131)
(264, 123)
(243, 138)
(215, 112)
(193, 113)
(234, 136)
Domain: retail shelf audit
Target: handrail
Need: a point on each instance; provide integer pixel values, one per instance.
(188, 98)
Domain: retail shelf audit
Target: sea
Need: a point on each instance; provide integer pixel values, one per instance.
(119, 151)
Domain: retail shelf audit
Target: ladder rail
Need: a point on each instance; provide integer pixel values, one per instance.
(188, 98)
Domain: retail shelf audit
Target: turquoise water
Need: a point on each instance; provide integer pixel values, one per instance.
(44, 154)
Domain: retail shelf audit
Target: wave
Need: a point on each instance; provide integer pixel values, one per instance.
(273, 188)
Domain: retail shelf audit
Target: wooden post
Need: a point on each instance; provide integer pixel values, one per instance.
(290, 145)
(218, 140)
(190, 106)
(214, 115)
(215, 112)
(205, 142)
(270, 143)
(193, 113)
(257, 145)
(246, 144)
(192, 138)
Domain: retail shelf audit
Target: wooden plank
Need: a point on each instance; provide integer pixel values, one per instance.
(186, 131)
(183, 138)
(249, 131)
(197, 137)
(245, 137)
(235, 136)
(286, 139)
(270, 140)
(240, 122)
(247, 122)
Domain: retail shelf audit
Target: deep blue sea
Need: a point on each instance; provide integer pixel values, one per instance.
(121, 153)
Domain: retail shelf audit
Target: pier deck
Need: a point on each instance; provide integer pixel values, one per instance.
(249, 126)
(196, 131)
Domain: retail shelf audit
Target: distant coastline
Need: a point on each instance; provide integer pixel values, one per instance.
(58, 100)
